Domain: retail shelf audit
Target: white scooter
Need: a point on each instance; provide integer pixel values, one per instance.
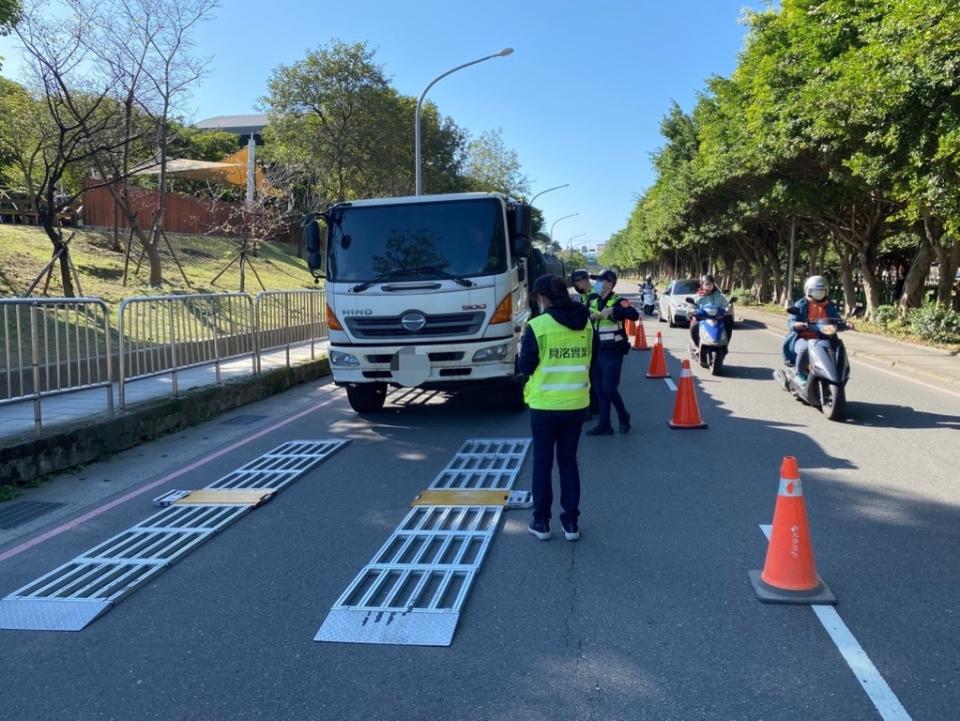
(648, 300)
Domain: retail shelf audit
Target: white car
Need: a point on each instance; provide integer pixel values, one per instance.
(673, 305)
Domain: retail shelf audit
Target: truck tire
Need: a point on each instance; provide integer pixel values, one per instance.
(367, 397)
(512, 395)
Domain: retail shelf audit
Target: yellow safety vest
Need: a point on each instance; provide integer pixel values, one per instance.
(561, 381)
(608, 329)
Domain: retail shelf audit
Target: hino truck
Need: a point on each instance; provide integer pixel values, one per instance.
(426, 291)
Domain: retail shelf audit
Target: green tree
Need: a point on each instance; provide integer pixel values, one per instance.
(493, 167)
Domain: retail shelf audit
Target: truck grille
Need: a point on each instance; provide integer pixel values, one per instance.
(390, 326)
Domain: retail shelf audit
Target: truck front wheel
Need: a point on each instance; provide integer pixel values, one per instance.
(367, 397)
(512, 395)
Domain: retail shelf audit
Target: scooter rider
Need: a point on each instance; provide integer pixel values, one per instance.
(648, 285)
(608, 313)
(813, 307)
(709, 294)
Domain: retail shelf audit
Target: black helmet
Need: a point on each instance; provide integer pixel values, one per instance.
(579, 274)
(607, 274)
(707, 278)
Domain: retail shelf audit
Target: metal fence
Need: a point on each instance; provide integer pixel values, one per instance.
(170, 333)
(289, 317)
(50, 346)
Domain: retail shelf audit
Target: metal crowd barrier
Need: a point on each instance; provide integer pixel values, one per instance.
(288, 317)
(52, 346)
(168, 334)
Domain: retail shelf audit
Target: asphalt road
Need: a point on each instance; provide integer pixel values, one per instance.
(650, 616)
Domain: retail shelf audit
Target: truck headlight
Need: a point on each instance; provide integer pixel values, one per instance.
(494, 353)
(345, 360)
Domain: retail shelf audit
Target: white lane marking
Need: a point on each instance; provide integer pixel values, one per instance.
(876, 688)
(670, 384)
(881, 369)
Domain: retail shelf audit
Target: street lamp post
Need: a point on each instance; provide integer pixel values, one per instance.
(416, 140)
(556, 187)
(570, 241)
(557, 221)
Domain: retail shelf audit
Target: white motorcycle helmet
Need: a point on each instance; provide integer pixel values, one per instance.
(816, 287)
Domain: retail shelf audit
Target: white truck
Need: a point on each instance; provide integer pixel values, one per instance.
(425, 291)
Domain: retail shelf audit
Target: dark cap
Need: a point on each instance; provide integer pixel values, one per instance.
(579, 274)
(607, 274)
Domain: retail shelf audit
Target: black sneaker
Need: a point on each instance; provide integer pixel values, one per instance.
(540, 529)
(599, 431)
(625, 425)
(571, 531)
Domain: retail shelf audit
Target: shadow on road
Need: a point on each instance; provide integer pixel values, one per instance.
(884, 415)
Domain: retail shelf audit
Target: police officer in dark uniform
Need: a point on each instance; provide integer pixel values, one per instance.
(608, 313)
(555, 357)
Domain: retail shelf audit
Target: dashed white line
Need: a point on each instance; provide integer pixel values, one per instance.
(876, 688)
(670, 384)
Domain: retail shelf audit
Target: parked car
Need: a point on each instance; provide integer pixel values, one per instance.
(673, 305)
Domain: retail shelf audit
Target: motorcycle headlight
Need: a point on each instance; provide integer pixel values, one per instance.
(712, 311)
(497, 352)
(828, 329)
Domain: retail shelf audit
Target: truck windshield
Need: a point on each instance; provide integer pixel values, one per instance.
(418, 240)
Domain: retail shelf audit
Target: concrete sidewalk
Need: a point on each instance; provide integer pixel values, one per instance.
(17, 418)
(930, 364)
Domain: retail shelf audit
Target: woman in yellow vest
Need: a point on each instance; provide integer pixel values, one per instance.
(555, 357)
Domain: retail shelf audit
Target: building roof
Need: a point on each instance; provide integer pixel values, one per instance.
(239, 124)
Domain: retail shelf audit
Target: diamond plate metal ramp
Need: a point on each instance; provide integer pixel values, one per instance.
(413, 589)
(71, 596)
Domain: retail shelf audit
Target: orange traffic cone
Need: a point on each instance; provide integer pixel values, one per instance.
(658, 362)
(640, 337)
(686, 412)
(629, 327)
(789, 574)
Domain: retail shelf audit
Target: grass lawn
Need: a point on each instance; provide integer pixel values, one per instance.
(25, 250)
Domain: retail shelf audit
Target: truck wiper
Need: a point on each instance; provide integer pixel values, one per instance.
(360, 287)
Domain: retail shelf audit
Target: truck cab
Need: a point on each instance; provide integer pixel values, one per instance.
(424, 291)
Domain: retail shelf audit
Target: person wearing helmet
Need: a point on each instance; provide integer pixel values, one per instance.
(647, 284)
(814, 306)
(555, 356)
(608, 311)
(709, 294)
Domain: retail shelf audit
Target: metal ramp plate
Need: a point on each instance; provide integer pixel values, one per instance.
(281, 466)
(74, 594)
(414, 587)
(484, 464)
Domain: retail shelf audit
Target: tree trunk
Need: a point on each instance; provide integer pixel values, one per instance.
(949, 259)
(871, 284)
(846, 277)
(912, 295)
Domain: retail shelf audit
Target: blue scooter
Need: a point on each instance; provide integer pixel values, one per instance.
(714, 338)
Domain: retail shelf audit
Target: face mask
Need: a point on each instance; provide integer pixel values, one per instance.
(598, 287)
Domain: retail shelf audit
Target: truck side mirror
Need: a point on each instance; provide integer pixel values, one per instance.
(313, 241)
(520, 223)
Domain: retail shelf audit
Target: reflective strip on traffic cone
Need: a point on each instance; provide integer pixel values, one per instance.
(658, 362)
(686, 412)
(789, 573)
(640, 337)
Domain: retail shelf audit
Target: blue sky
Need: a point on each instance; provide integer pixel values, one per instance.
(580, 100)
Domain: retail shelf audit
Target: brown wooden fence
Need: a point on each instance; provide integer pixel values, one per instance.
(184, 214)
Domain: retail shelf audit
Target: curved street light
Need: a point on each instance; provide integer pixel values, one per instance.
(557, 221)
(416, 140)
(556, 187)
(570, 241)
